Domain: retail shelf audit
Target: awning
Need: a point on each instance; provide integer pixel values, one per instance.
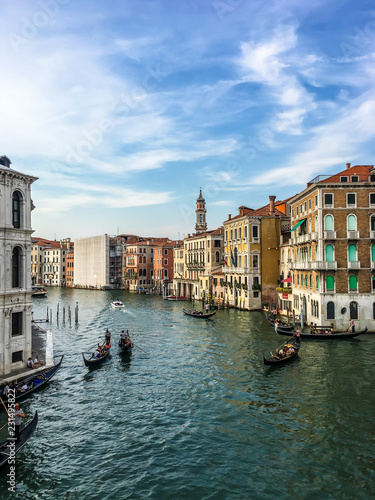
(287, 280)
(298, 224)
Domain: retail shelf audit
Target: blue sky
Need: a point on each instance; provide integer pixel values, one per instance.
(125, 109)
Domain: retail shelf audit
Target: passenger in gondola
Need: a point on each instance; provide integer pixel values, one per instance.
(5, 390)
(97, 353)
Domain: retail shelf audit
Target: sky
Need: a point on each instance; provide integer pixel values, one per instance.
(124, 110)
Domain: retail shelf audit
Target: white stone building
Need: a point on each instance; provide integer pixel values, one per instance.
(91, 262)
(15, 268)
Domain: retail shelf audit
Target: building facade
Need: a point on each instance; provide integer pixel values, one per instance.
(333, 247)
(15, 268)
(91, 262)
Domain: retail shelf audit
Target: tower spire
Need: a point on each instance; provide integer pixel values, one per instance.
(200, 222)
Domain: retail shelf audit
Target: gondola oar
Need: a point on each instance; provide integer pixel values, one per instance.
(5, 407)
(135, 345)
(286, 341)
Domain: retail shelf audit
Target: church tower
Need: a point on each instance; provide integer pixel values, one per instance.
(200, 223)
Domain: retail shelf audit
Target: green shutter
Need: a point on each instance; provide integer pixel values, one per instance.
(330, 283)
(298, 224)
(353, 283)
(352, 253)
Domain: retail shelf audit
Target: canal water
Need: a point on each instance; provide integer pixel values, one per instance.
(193, 413)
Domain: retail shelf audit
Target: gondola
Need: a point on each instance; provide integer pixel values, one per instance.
(35, 381)
(276, 359)
(125, 347)
(325, 336)
(96, 361)
(196, 314)
(7, 449)
(288, 327)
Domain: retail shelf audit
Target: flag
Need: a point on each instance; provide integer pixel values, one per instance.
(232, 259)
(225, 263)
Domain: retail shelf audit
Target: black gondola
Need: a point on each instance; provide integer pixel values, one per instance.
(93, 361)
(125, 346)
(7, 449)
(35, 381)
(288, 327)
(325, 336)
(197, 314)
(277, 359)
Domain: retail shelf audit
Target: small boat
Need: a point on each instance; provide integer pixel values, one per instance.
(35, 381)
(93, 361)
(286, 326)
(117, 304)
(125, 346)
(331, 335)
(198, 314)
(174, 297)
(38, 291)
(10, 446)
(280, 358)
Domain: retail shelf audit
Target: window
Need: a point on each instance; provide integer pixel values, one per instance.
(311, 278)
(373, 284)
(255, 233)
(165, 273)
(17, 356)
(355, 178)
(372, 222)
(330, 310)
(351, 199)
(16, 212)
(344, 178)
(165, 251)
(235, 234)
(305, 206)
(256, 295)
(352, 223)
(239, 233)
(328, 200)
(372, 178)
(255, 261)
(330, 283)
(165, 262)
(16, 267)
(317, 282)
(300, 207)
(353, 309)
(310, 204)
(372, 199)
(16, 324)
(328, 223)
(245, 232)
(316, 201)
(296, 211)
(353, 286)
(373, 310)
(373, 252)
(352, 253)
(329, 253)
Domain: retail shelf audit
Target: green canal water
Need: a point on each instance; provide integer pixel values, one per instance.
(199, 416)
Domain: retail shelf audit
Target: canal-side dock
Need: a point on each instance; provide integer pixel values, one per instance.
(42, 346)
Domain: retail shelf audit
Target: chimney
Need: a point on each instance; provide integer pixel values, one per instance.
(347, 166)
(229, 216)
(272, 205)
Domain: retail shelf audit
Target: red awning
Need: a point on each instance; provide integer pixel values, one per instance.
(287, 280)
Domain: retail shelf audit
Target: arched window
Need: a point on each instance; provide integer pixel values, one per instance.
(328, 223)
(297, 279)
(353, 283)
(311, 281)
(329, 253)
(353, 308)
(317, 310)
(352, 222)
(217, 257)
(317, 283)
(16, 267)
(330, 283)
(235, 256)
(352, 253)
(16, 209)
(330, 310)
(235, 234)
(306, 281)
(239, 232)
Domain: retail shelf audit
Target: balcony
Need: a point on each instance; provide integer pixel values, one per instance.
(301, 265)
(313, 235)
(372, 235)
(236, 270)
(354, 264)
(329, 235)
(321, 265)
(353, 235)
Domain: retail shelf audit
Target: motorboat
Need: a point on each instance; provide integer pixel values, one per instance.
(117, 304)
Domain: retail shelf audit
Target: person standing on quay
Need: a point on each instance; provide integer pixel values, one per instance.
(18, 416)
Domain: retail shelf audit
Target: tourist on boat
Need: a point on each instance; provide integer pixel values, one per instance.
(5, 390)
(24, 388)
(351, 325)
(30, 363)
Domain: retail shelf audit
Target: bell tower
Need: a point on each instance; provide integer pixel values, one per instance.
(200, 223)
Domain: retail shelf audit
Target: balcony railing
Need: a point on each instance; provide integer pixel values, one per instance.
(353, 235)
(301, 265)
(237, 270)
(321, 265)
(330, 235)
(354, 264)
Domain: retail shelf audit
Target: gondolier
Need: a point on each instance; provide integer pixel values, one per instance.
(108, 336)
(18, 416)
(351, 325)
